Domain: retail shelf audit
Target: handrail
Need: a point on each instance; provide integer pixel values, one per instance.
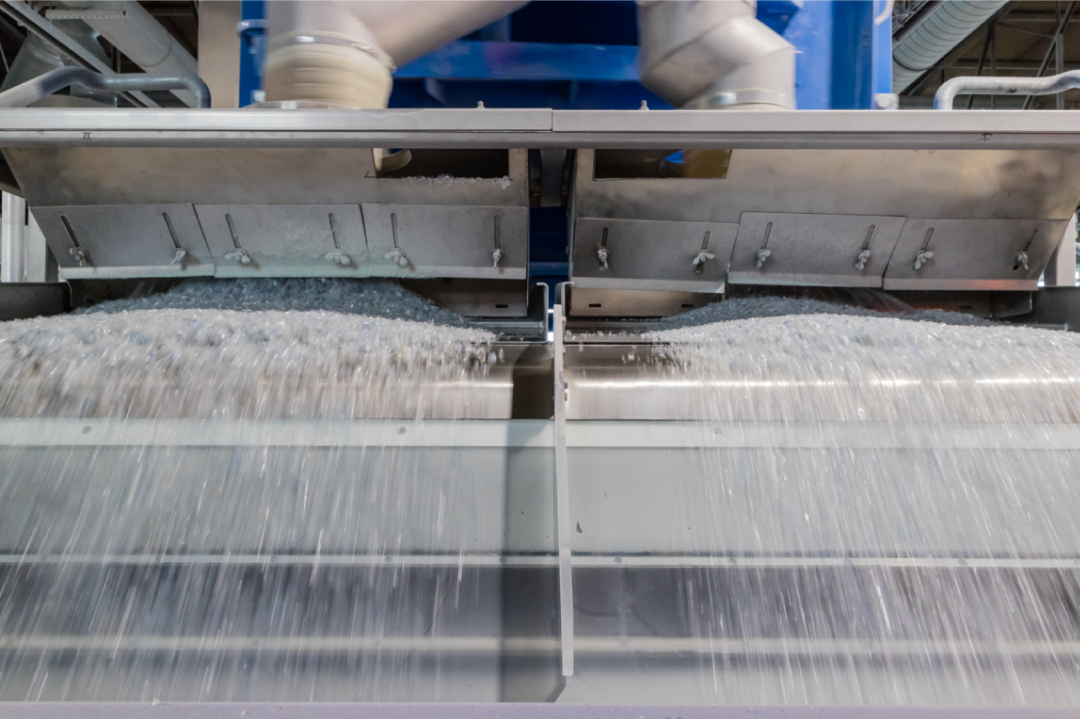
(55, 80)
(1050, 85)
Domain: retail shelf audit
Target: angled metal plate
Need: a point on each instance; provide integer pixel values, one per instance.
(126, 240)
(805, 249)
(651, 254)
(285, 240)
(447, 240)
(973, 254)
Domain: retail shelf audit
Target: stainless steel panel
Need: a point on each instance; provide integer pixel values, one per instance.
(126, 240)
(92, 175)
(671, 676)
(448, 241)
(649, 254)
(584, 302)
(826, 250)
(914, 129)
(285, 240)
(986, 184)
(973, 254)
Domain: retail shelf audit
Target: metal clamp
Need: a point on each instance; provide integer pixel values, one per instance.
(1051, 85)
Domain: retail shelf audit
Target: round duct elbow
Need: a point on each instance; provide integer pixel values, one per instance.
(701, 55)
(945, 27)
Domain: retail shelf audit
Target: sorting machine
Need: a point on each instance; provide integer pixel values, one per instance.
(567, 490)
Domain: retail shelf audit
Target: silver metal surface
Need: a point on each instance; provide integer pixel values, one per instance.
(973, 254)
(562, 502)
(13, 239)
(435, 710)
(823, 250)
(714, 54)
(651, 255)
(448, 241)
(505, 128)
(1053, 84)
(819, 207)
(293, 240)
(280, 203)
(53, 81)
(126, 240)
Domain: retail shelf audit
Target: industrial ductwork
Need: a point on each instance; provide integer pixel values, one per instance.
(130, 28)
(700, 55)
(932, 38)
(343, 53)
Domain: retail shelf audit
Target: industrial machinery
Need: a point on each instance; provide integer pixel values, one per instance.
(564, 544)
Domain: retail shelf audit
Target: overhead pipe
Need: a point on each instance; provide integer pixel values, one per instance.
(933, 37)
(130, 28)
(35, 89)
(1050, 85)
(343, 53)
(708, 55)
(37, 57)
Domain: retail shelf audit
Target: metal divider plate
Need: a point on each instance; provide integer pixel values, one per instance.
(285, 240)
(813, 249)
(651, 254)
(973, 254)
(126, 240)
(448, 240)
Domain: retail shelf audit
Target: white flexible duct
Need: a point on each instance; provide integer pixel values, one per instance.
(941, 30)
(344, 52)
(135, 32)
(714, 54)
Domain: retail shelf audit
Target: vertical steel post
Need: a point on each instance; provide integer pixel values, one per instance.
(562, 503)
(12, 238)
(1061, 270)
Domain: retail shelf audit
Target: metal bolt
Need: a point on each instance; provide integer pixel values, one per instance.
(502, 560)
(389, 559)
(732, 560)
(618, 560)
(86, 430)
(401, 430)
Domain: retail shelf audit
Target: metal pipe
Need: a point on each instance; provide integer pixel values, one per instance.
(55, 80)
(943, 100)
(935, 36)
(704, 55)
(12, 238)
(135, 32)
(343, 53)
(26, 16)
